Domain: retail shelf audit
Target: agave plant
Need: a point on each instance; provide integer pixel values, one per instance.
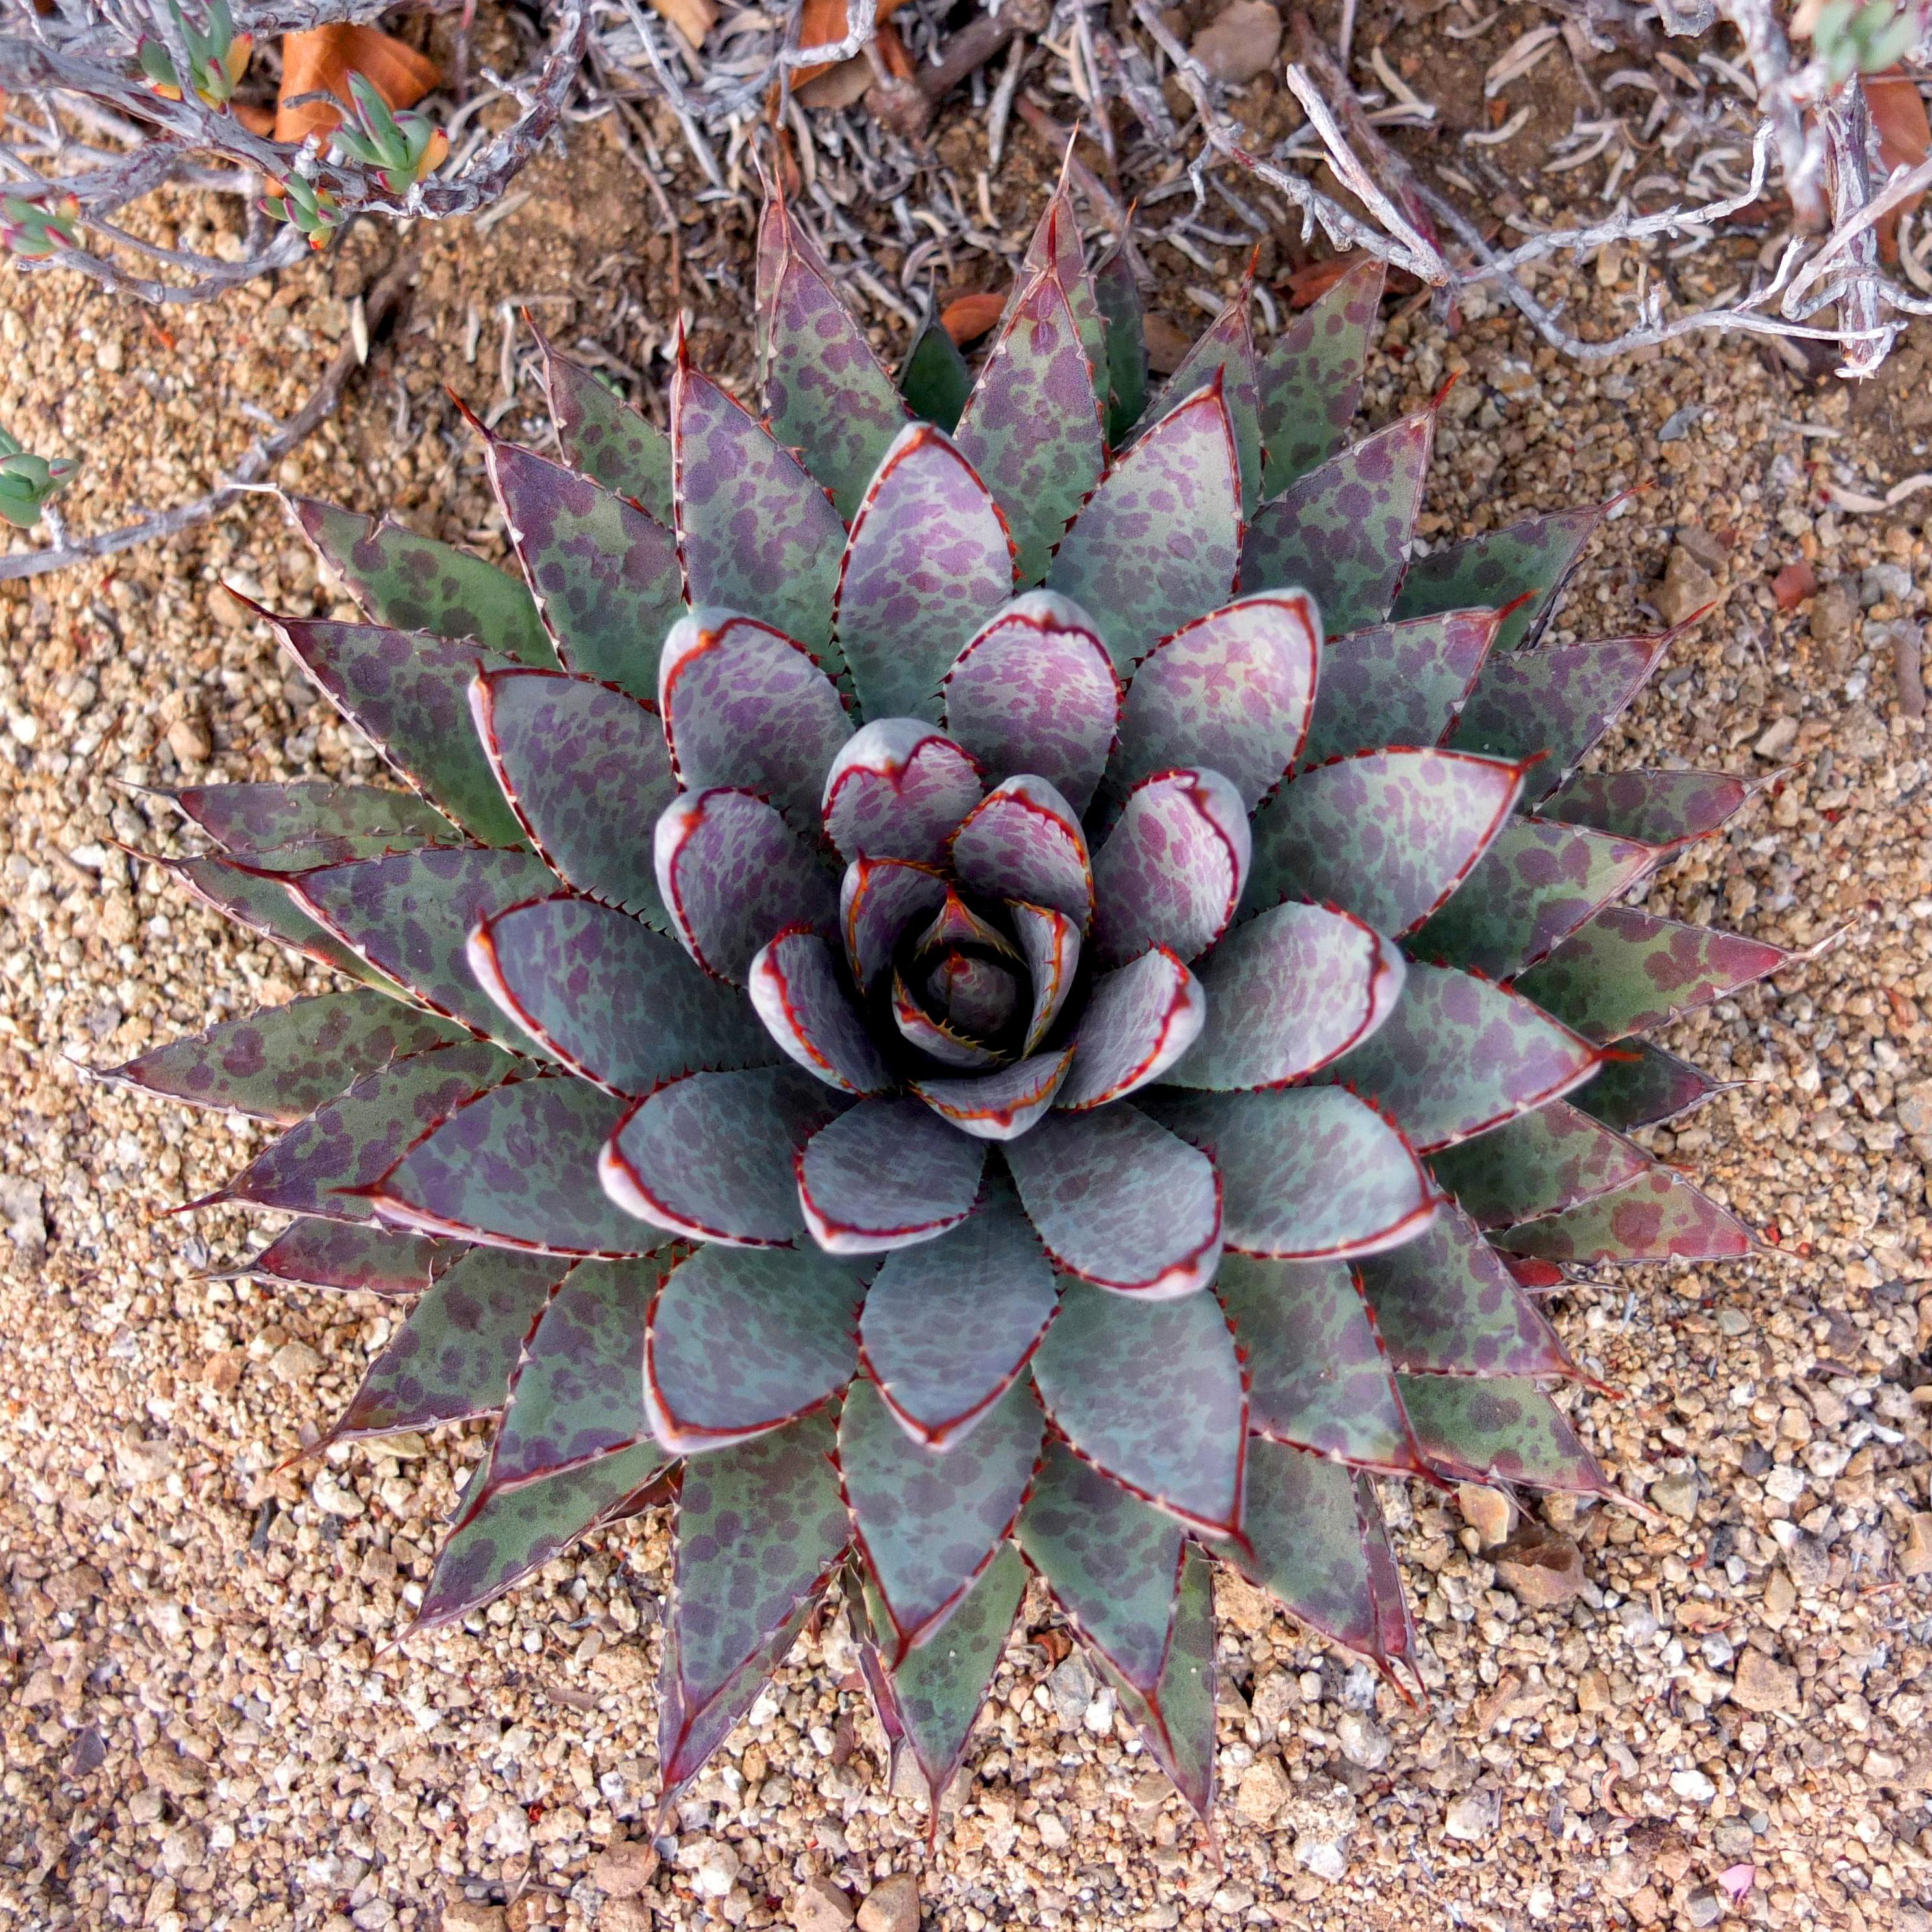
(974, 978)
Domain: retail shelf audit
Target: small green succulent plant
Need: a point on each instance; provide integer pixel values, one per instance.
(28, 482)
(975, 977)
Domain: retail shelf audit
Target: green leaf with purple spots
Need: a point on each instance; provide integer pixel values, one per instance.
(605, 574)
(887, 1173)
(1342, 532)
(936, 381)
(314, 1253)
(1659, 1217)
(1664, 808)
(1056, 244)
(1397, 684)
(1031, 429)
(743, 1339)
(928, 1523)
(284, 1063)
(1499, 1428)
(1023, 841)
(796, 992)
(1445, 1304)
(1533, 887)
(1152, 1394)
(1170, 871)
(1317, 1377)
(408, 694)
(756, 532)
(1311, 378)
(1532, 559)
(1140, 1019)
(1542, 1163)
(602, 435)
(1111, 1561)
(1640, 1085)
(1627, 971)
(1176, 1721)
(583, 765)
(1386, 835)
(1226, 349)
(1159, 541)
(414, 583)
(1117, 296)
(896, 791)
(453, 1357)
(353, 1141)
(287, 828)
(261, 901)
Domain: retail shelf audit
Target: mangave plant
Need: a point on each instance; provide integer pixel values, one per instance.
(978, 978)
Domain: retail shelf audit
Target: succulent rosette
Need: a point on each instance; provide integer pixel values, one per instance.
(980, 977)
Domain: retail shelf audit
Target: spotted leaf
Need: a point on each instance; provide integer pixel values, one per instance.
(261, 902)
(1171, 871)
(602, 435)
(1398, 684)
(1640, 1085)
(1541, 1163)
(285, 828)
(1311, 378)
(1226, 349)
(885, 1174)
(1176, 1719)
(1664, 808)
(314, 1253)
(1002, 1105)
(1140, 1019)
(1531, 560)
(795, 991)
(1499, 1428)
(1023, 841)
(1660, 1216)
(896, 790)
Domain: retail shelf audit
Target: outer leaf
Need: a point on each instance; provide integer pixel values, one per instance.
(1177, 1721)
(1140, 1019)
(1311, 377)
(1535, 556)
(453, 1357)
(878, 900)
(1023, 841)
(1306, 1173)
(1542, 1163)
(885, 1175)
(1398, 684)
(1499, 1429)
(928, 1524)
(1232, 691)
(950, 1324)
(315, 1253)
(1056, 244)
(615, 1002)
(1659, 1217)
(795, 991)
(756, 532)
(1459, 1056)
(896, 791)
(1387, 835)
(605, 437)
(1342, 532)
(1318, 1378)
(1640, 1085)
(1628, 971)
(1171, 871)
(288, 827)
(1226, 349)
(1003, 1105)
(1118, 297)
(1664, 808)
(583, 765)
(286, 1061)
(743, 1339)
(1120, 1201)
(1030, 427)
(414, 583)
(261, 902)
(1160, 540)
(935, 381)
(710, 1157)
(1153, 1396)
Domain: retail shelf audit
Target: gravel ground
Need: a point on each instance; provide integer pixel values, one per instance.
(211, 1714)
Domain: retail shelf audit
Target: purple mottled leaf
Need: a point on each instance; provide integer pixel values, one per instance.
(1286, 994)
(1499, 1428)
(1305, 1173)
(826, 393)
(1120, 1201)
(314, 1253)
(602, 435)
(452, 1358)
(285, 828)
(1640, 1085)
(796, 992)
(1444, 1303)
(1035, 691)
(1031, 428)
(261, 901)
(927, 1523)
(582, 765)
(1002, 1105)
(934, 379)
(1533, 887)
(1111, 1561)
(408, 694)
(1534, 556)
(1627, 971)
(1140, 1019)
(1317, 1377)
(1226, 348)
(1459, 1056)
(613, 1001)
(1176, 1719)
(1397, 684)
(744, 706)
(1311, 377)
(756, 532)
(733, 875)
(1171, 871)
(1050, 942)
(1153, 1396)
(710, 1158)
(1541, 1163)
(1556, 700)
(1664, 807)
(1230, 691)
(1117, 296)
(1160, 539)
(518, 1168)
(896, 790)
(745, 1340)
(1341, 532)
(1387, 835)
(950, 1324)
(352, 1141)
(411, 914)
(414, 583)
(885, 1174)
(878, 900)
(1056, 244)
(283, 1063)
(1659, 1217)
(1023, 841)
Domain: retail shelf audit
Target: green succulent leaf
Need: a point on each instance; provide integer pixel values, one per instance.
(1640, 1085)
(1117, 295)
(1658, 1217)
(602, 435)
(1226, 349)
(1554, 1159)
(1531, 560)
(885, 1174)
(1023, 842)
(936, 381)
(1170, 872)
(1663, 808)
(311, 1252)
(1056, 244)
(897, 790)
(1140, 1019)
(796, 992)
(287, 828)
(1310, 380)
(1499, 1428)
(1397, 684)
(1176, 1719)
